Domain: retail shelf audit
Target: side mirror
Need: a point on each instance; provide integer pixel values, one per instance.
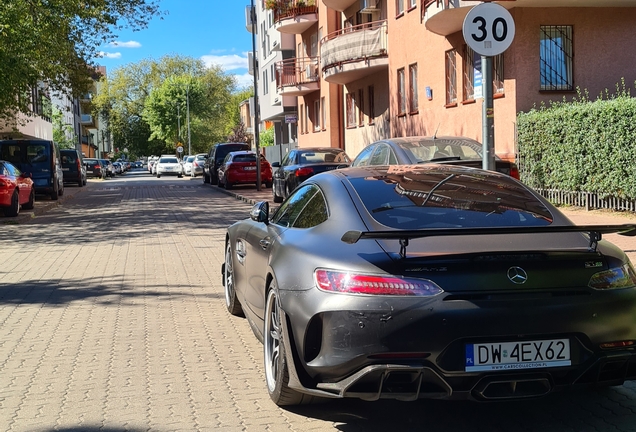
(260, 212)
(275, 164)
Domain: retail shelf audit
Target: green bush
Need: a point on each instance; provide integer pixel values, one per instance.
(581, 146)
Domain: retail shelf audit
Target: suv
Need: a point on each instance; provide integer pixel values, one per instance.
(73, 167)
(215, 157)
(38, 158)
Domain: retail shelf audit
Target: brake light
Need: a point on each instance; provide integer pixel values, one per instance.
(618, 344)
(514, 172)
(303, 172)
(356, 283)
(614, 278)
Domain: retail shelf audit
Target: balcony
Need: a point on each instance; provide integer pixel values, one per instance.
(445, 17)
(249, 19)
(354, 52)
(297, 76)
(339, 5)
(294, 16)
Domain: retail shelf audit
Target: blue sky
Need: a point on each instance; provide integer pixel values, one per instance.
(212, 30)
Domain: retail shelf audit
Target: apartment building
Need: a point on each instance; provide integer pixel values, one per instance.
(35, 126)
(393, 68)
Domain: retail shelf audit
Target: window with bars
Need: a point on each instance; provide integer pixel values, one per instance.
(472, 67)
(498, 74)
(371, 104)
(317, 115)
(413, 102)
(401, 85)
(360, 107)
(556, 53)
(451, 77)
(469, 73)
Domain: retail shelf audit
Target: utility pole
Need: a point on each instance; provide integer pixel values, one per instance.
(188, 117)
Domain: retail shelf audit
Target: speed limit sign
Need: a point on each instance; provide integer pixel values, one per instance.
(488, 29)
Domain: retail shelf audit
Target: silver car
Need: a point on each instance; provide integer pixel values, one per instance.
(169, 165)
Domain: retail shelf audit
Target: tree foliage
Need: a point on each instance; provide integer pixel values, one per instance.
(63, 133)
(239, 134)
(56, 42)
(144, 102)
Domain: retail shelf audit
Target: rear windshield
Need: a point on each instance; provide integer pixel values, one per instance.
(69, 158)
(34, 153)
(200, 157)
(322, 156)
(244, 158)
(190, 159)
(91, 162)
(449, 199)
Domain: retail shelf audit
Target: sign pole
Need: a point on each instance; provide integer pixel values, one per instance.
(488, 116)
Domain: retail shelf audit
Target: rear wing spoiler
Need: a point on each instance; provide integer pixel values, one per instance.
(595, 232)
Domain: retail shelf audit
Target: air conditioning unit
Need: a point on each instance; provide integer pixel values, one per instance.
(369, 6)
(250, 63)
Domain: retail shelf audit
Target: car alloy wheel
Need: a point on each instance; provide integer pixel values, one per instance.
(14, 209)
(31, 203)
(276, 372)
(231, 302)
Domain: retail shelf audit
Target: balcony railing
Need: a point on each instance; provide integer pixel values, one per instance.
(361, 43)
(297, 72)
(292, 9)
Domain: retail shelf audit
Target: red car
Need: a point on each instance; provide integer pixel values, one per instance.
(16, 190)
(239, 167)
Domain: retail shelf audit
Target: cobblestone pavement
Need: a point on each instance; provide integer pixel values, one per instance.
(112, 318)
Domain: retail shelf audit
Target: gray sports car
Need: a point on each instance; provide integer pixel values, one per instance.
(429, 281)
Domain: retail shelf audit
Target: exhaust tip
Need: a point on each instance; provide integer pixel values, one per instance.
(496, 389)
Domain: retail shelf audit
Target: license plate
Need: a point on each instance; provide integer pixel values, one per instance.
(66, 169)
(249, 168)
(518, 355)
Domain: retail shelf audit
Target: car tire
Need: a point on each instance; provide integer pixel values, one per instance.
(214, 180)
(179, 176)
(14, 209)
(268, 184)
(31, 203)
(206, 178)
(274, 347)
(231, 301)
(158, 175)
(227, 185)
(276, 198)
(80, 183)
(61, 190)
(55, 193)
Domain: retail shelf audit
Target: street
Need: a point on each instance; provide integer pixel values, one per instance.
(112, 318)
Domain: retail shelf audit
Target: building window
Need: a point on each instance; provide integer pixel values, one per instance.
(401, 86)
(469, 73)
(371, 105)
(307, 118)
(351, 110)
(265, 82)
(451, 77)
(301, 119)
(412, 4)
(556, 52)
(323, 113)
(413, 103)
(361, 107)
(316, 115)
(498, 75)
(399, 7)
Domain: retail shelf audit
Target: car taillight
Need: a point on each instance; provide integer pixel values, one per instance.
(514, 172)
(617, 344)
(303, 172)
(357, 283)
(3, 184)
(614, 278)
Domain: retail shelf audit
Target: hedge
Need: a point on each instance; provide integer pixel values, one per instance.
(581, 146)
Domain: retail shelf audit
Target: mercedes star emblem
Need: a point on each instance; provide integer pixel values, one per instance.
(517, 275)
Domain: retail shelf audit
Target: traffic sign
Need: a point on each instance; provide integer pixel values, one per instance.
(291, 118)
(488, 29)
(180, 149)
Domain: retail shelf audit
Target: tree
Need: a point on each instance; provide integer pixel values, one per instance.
(266, 138)
(56, 41)
(239, 134)
(63, 133)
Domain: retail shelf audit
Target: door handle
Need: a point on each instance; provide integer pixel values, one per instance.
(264, 243)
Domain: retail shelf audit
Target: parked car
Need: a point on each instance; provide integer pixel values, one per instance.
(197, 165)
(240, 168)
(187, 164)
(73, 167)
(94, 168)
(109, 167)
(16, 189)
(40, 159)
(215, 157)
(119, 169)
(414, 150)
(169, 165)
(429, 281)
(300, 164)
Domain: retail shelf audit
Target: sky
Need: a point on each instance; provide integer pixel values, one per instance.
(212, 30)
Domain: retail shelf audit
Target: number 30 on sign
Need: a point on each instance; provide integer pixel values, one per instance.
(488, 29)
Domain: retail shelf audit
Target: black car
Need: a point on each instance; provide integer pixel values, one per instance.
(429, 281)
(415, 150)
(94, 168)
(215, 158)
(300, 164)
(73, 167)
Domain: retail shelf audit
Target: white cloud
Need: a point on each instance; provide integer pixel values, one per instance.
(114, 55)
(227, 62)
(129, 44)
(245, 80)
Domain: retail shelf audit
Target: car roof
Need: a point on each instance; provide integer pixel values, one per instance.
(319, 149)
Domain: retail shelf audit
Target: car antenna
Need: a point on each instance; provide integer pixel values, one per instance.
(435, 134)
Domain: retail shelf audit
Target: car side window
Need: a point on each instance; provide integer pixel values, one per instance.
(291, 160)
(291, 210)
(392, 158)
(364, 156)
(380, 155)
